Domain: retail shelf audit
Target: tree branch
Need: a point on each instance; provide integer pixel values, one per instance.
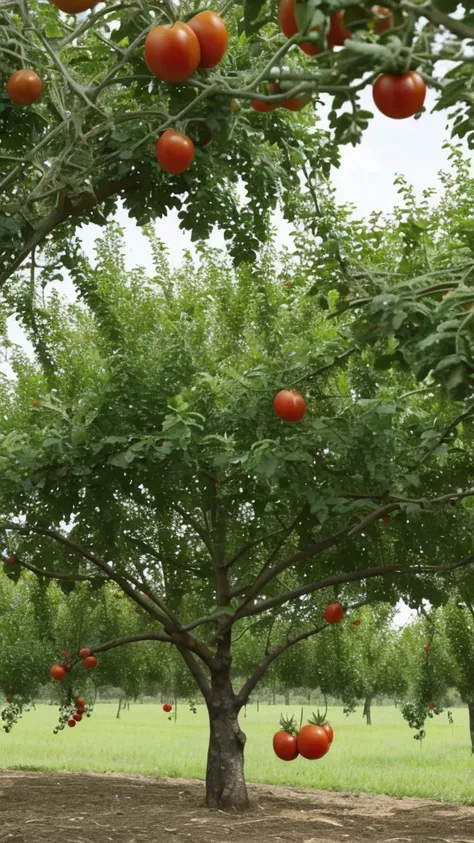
(434, 15)
(265, 663)
(343, 579)
(132, 639)
(197, 673)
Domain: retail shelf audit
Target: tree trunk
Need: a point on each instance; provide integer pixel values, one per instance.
(287, 697)
(367, 713)
(119, 707)
(225, 781)
(273, 697)
(471, 724)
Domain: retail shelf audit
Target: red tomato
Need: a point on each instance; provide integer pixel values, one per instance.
(333, 613)
(386, 519)
(289, 27)
(77, 716)
(172, 53)
(427, 648)
(312, 741)
(12, 560)
(57, 672)
(259, 105)
(174, 152)
(289, 405)
(285, 745)
(211, 32)
(356, 623)
(329, 731)
(399, 95)
(430, 704)
(337, 31)
(84, 652)
(74, 7)
(386, 23)
(295, 103)
(80, 703)
(90, 662)
(24, 87)
(71, 723)
(167, 707)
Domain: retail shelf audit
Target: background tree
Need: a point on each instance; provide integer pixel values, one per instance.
(141, 450)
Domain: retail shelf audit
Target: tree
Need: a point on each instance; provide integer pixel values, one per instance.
(88, 142)
(459, 625)
(140, 450)
(360, 661)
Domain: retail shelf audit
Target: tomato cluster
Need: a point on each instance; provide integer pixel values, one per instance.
(72, 713)
(173, 54)
(397, 96)
(312, 741)
(59, 671)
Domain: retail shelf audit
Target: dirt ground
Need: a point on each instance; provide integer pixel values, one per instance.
(70, 808)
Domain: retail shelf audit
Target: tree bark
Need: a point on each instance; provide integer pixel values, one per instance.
(118, 709)
(225, 780)
(287, 697)
(367, 713)
(471, 724)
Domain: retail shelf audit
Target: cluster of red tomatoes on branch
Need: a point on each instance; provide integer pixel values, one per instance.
(311, 741)
(397, 95)
(172, 54)
(72, 714)
(59, 671)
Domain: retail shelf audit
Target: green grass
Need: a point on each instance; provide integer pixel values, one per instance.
(383, 758)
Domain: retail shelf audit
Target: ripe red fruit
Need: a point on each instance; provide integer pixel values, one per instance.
(24, 87)
(174, 152)
(285, 745)
(80, 703)
(399, 95)
(289, 405)
(58, 672)
(333, 613)
(210, 30)
(329, 731)
(74, 7)
(262, 107)
(312, 741)
(77, 716)
(90, 662)
(71, 723)
(386, 519)
(84, 652)
(12, 560)
(289, 27)
(356, 623)
(337, 31)
(167, 707)
(172, 53)
(427, 648)
(386, 22)
(430, 704)
(9, 698)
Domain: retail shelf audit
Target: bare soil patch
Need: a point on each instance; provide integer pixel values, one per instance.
(77, 808)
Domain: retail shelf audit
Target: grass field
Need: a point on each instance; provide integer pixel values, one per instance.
(382, 758)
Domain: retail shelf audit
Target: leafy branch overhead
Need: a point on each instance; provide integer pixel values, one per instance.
(88, 139)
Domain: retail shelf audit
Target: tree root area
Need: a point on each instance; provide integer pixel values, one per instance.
(89, 808)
